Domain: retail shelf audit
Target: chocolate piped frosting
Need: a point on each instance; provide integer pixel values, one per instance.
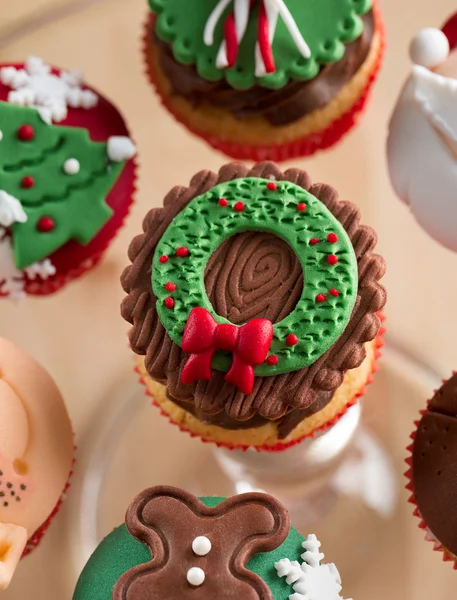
(252, 275)
(279, 107)
(434, 465)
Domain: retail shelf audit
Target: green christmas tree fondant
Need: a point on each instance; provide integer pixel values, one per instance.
(324, 26)
(61, 178)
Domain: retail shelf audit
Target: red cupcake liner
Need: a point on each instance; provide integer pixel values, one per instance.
(428, 535)
(281, 446)
(35, 540)
(303, 147)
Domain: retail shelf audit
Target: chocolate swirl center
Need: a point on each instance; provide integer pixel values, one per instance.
(254, 275)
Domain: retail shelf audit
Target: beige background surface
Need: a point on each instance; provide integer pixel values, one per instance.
(78, 334)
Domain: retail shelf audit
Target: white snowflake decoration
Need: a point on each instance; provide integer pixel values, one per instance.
(11, 210)
(311, 580)
(12, 280)
(36, 86)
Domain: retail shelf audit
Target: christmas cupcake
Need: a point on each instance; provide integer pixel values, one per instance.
(176, 546)
(422, 143)
(36, 455)
(262, 323)
(432, 478)
(264, 79)
(66, 177)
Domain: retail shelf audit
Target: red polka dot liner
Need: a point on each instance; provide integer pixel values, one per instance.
(428, 535)
(280, 446)
(306, 146)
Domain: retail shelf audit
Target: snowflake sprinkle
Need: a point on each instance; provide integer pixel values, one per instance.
(36, 86)
(311, 580)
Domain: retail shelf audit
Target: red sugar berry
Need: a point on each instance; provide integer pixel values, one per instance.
(182, 252)
(332, 259)
(27, 182)
(332, 238)
(46, 224)
(169, 302)
(223, 202)
(313, 241)
(272, 186)
(164, 259)
(301, 206)
(170, 286)
(272, 360)
(321, 298)
(291, 339)
(239, 206)
(334, 292)
(26, 133)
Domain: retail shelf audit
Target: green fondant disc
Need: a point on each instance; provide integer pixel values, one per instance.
(326, 25)
(204, 225)
(119, 552)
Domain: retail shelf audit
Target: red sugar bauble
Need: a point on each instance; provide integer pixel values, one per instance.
(313, 241)
(334, 292)
(27, 182)
(46, 224)
(26, 133)
(169, 302)
(223, 202)
(301, 206)
(321, 298)
(272, 186)
(272, 360)
(170, 286)
(291, 339)
(332, 238)
(163, 259)
(332, 259)
(182, 252)
(239, 206)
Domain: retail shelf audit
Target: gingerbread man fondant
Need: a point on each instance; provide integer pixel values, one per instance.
(201, 552)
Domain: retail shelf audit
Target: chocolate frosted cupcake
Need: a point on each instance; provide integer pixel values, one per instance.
(432, 477)
(176, 546)
(266, 78)
(262, 320)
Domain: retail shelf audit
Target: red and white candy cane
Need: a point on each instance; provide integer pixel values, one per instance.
(235, 28)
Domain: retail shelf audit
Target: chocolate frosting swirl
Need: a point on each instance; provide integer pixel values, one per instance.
(249, 276)
(280, 107)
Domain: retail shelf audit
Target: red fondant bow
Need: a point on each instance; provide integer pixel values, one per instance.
(203, 336)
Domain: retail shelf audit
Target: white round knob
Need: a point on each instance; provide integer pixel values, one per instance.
(71, 166)
(195, 576)
(429, 48)
(201, 545)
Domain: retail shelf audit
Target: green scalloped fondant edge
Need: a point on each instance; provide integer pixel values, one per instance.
(242, 76)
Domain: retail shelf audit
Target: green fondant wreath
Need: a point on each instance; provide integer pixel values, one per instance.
(286, 210)
(303, 36)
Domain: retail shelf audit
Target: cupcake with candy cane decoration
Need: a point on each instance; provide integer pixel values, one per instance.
(422, 142)
(264, 79)
(255, 302)
(67, 177)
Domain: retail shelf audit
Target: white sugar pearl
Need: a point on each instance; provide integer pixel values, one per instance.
(71, 166)
(195, 576)
(1, 135)
(429, 48)
(201, 545)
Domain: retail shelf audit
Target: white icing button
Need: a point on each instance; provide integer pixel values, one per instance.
(429, 48)
(71, 166)
(195, 576)
(201, 545)
(120, 148)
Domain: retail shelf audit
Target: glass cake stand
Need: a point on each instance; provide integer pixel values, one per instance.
(343, 485)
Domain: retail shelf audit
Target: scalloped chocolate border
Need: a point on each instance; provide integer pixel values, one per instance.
(274, 396)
